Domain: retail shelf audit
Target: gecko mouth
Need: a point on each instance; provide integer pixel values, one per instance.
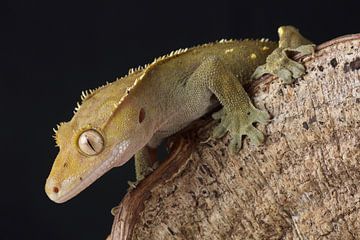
(117, 157)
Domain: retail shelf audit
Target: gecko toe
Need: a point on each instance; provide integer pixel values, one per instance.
(218, 115)
(259, 71)
(296, 69)
(261, 116)
(255, 135)
(235, 144)
(219, 131)
(285, 76)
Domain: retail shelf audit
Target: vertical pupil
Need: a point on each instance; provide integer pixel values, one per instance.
(89, 143)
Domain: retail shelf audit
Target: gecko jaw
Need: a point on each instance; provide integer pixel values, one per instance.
(116, 158)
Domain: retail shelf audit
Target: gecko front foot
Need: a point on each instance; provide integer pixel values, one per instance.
(240, 123)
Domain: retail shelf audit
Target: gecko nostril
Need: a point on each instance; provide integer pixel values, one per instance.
(55, 189)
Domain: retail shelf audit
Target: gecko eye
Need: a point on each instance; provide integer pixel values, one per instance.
(91, 142)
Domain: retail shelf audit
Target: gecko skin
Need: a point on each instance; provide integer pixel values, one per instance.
(133, 114)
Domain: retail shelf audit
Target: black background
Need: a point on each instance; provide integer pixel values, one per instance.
(51, 50)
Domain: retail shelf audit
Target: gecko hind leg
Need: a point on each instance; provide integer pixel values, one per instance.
(279, 62)
(145, 163)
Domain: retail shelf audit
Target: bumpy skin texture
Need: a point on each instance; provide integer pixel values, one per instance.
(132, 115)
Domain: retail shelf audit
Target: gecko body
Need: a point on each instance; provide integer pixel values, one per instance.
(134, 114)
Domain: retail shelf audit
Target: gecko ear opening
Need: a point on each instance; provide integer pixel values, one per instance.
(141, 115)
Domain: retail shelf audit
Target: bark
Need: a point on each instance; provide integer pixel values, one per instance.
(302, 183)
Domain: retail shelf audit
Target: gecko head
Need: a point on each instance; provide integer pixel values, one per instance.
(105, 132)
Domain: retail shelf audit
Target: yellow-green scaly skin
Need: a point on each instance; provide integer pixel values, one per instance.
(139, 110)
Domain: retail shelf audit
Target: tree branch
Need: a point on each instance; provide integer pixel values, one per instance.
(301, 184)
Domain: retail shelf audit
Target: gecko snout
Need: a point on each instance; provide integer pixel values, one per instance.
(52, 190)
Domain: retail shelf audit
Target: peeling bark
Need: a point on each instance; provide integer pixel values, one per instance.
(301, 184)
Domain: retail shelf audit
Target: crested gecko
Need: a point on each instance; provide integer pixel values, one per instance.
(131, 115)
